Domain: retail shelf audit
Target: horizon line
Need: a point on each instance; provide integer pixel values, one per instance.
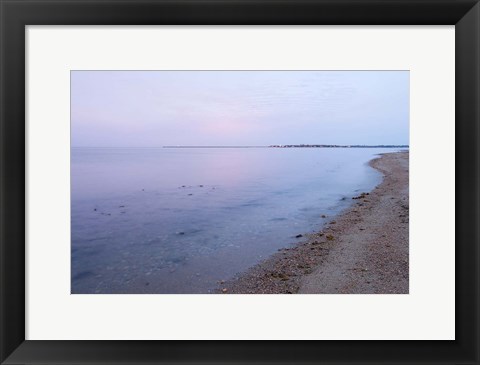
(312, 145)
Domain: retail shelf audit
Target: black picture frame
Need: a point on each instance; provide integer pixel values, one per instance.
(16, 14)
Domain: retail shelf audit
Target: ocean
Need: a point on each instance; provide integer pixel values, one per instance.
(180, 220)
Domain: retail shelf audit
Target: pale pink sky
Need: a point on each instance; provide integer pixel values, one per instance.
(157, 108)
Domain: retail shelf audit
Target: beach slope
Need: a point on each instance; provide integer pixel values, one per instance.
(363, 251)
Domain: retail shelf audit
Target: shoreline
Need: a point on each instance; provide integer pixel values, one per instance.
(364, 250)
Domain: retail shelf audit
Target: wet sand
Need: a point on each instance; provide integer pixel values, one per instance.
(362, 251)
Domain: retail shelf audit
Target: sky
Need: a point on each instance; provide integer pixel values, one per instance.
(238, 108)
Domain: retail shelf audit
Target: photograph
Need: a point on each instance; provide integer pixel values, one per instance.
(239, 181)
(229, 182)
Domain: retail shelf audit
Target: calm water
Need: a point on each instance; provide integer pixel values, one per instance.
(180, 220)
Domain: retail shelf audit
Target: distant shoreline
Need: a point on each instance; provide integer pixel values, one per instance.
(270, 146)
(297, 146)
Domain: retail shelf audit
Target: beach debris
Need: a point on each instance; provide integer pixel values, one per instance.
(224, 290)
(299, 235)
(333, 222)
(329, 237)
(361, 196)
(282, 276)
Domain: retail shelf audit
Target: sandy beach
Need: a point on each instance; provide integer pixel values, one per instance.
(362, 251)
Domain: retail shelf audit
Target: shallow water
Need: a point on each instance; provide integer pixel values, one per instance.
(160, 220)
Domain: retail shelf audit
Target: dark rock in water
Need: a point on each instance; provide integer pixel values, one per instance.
(183, 186)
(181, 233)
(190, 194)
(178, 259)
(121, 206)
(82, 275)
(200, 186)
(361, 196)
(94, 209)
(324, 216)
(343, 198)
(299, 235)
(147, 283)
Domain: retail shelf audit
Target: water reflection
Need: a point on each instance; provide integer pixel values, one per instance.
(180, 220)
